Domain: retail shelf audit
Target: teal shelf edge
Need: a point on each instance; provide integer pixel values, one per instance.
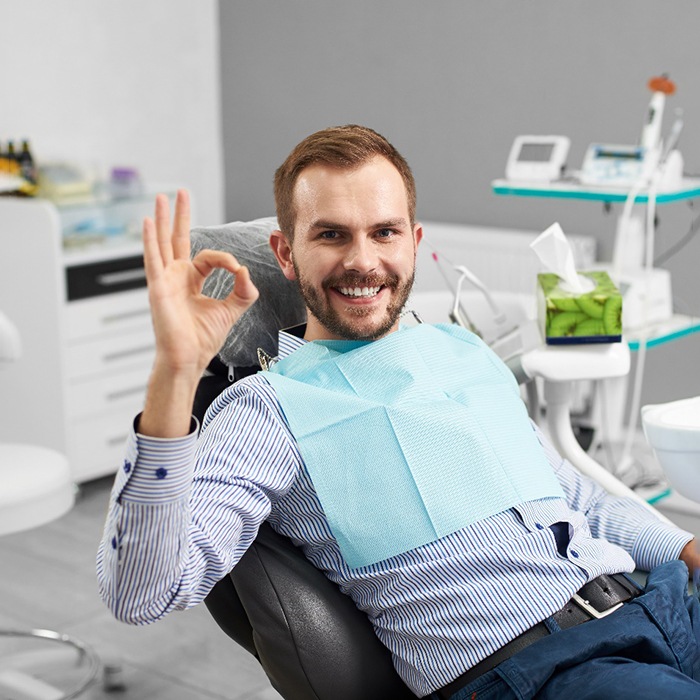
(592, 195)
(634, 345)
(659, 497)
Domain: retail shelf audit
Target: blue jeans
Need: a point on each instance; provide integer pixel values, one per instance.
(649, 648)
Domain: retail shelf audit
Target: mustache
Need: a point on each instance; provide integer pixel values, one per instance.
(354, 280)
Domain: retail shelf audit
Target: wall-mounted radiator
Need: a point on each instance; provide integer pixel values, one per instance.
(501, 258)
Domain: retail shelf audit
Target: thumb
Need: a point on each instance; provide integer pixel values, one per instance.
(244, 293)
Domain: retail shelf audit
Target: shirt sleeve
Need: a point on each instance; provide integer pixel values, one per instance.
(621, 521)
(183, 511)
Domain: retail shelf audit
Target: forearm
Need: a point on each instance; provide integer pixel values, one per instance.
(621, 521)
(173, 529)
(168, 406)
(142, 555)
(649, 540)
(169, 538)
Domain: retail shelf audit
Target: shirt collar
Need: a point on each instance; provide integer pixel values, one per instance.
(290, 339)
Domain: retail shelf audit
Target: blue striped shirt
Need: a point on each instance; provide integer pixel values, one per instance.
(183, 511)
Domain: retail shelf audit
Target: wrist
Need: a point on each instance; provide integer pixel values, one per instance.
(170, 395)
(690, 555)
(165, 368)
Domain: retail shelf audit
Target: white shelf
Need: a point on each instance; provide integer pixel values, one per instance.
(678, 326)
(87, 341)
(570, 189)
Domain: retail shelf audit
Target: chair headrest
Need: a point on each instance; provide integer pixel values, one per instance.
(280, 304)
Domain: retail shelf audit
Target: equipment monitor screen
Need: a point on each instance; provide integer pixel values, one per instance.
(535, 158)
(629, 154)
(536, 152)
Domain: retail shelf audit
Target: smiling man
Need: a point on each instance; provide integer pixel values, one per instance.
(349, 238)
(402, 461)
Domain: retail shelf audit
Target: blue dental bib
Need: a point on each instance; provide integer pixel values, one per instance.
(409, 438)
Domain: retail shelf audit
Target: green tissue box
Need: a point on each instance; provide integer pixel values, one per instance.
(566, 318)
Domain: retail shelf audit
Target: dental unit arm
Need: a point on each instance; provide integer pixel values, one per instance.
(559, 368)
(498, 316)
(651, 133)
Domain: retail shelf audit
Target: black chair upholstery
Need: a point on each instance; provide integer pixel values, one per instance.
(310, 639)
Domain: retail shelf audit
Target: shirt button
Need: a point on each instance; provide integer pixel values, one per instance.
(114, 542)
(539, 526)
(574, 554)
(161, 473)
(127, 466)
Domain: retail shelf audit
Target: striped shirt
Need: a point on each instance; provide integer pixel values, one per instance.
(183, 511)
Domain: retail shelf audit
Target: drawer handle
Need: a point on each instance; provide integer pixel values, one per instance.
(122, 393)
(113, 318)
(110, 279)
(118, 440)
(112, 356)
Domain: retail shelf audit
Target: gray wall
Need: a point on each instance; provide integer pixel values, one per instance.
(451, 83)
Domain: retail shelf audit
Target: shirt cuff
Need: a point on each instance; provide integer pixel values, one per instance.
(658, 543)
(158, 470)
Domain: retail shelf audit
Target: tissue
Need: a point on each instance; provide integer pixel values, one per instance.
(574, 307)
(555, 254)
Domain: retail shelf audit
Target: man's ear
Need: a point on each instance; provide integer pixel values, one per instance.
(417, 233)
(283, 252)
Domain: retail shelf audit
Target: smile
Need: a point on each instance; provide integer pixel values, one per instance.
(359, 291)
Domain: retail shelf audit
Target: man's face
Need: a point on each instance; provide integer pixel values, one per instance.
(354, 249)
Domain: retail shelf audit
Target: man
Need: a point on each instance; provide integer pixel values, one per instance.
(512, 531)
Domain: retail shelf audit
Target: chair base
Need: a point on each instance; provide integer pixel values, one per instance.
(17, 681)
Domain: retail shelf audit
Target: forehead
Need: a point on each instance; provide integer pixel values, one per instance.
(374, 189)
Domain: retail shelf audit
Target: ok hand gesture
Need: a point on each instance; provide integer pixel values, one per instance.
(189, 327)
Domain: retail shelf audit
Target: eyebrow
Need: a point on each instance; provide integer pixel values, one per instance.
(334, 226)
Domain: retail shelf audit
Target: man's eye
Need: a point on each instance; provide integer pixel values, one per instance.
(385, 233)
(329, 235)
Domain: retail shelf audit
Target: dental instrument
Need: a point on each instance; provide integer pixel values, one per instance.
(461, 311)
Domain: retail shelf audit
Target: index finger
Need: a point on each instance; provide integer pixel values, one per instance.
(153, 262)
(162, 220)
(181, 226)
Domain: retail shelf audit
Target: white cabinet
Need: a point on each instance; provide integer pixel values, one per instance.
(80, 303)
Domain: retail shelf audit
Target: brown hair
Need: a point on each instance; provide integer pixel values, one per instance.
(340, 146)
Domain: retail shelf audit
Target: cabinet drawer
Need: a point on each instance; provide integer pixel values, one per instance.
(119, 313)
(96, 446)
(91, 397)
(105, 277)
(114, 354)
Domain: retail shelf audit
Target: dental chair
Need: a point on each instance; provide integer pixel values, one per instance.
(311, 640)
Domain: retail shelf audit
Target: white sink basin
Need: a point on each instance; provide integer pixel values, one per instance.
(673, 431)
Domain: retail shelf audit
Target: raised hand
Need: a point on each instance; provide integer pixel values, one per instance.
(189, 327)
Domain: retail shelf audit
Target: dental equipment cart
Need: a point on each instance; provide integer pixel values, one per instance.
(677, 326)
(648, 336)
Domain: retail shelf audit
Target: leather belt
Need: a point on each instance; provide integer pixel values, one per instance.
(598, 598)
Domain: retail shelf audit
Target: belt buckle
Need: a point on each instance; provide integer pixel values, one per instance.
(587, 607)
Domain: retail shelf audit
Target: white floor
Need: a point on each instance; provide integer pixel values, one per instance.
(48, 581)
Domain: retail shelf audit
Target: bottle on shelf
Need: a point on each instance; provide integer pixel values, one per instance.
(18, 170)
(26, 163)
(8, 160)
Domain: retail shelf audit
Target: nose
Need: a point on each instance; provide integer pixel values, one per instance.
(361, 256)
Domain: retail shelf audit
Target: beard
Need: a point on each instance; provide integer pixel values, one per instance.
(350, 326)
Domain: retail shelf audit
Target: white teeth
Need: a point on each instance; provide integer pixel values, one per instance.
(359, 292)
